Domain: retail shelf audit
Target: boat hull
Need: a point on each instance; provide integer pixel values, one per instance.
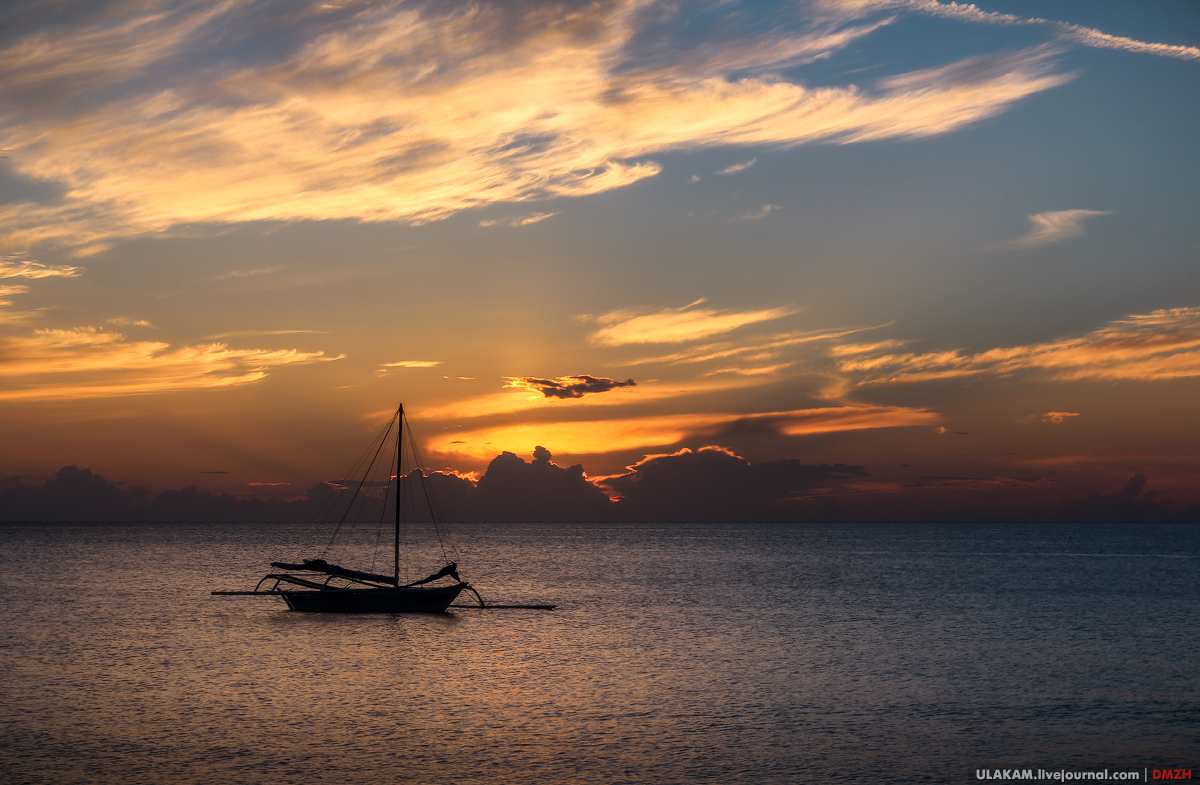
(432, 599)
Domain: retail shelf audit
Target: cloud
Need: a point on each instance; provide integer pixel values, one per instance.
(1094, 38)
(760, 370)
(1131, 503)
(15, 267)
(865, 348)
(1052, 227)
(1156, 346)
(413, 364)
(759, 348)
(72, 494)
(567, 386)
(675, 325)
(128, 321)
(518, 220)
(261, 333)
(248, 273)
(760, 212)
(738, 167)
(515, 490)
(1054, 418)
(93, 363)
(166, 118)
(11, 267)
(713, 483)
(966, 12)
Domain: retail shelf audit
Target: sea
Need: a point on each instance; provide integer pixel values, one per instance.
(678, 653)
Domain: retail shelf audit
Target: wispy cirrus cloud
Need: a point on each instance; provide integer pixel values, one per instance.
(57, 364)
(760, 212)
(742, 370)
(567, 386)
(759, 347)
(249, 273)
(967, 12)
(1052, 227)
(415, 111)
(1155, 346)
(675, 325)
(413, 364)
(262, 333)
(14, 267)
(738, 167)
(517, 220)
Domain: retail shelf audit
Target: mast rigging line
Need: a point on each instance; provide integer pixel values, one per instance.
(370, 463)
(373, 450)
(435, 510)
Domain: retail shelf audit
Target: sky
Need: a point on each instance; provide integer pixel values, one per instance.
(951, 248)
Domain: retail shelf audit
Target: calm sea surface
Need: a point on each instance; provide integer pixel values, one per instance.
(680, 653)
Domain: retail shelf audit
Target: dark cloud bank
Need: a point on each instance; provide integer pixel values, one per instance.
(710, 484)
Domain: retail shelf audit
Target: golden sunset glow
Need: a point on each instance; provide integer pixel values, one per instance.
(599, 437)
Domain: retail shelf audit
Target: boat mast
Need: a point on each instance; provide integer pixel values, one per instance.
(400, 459)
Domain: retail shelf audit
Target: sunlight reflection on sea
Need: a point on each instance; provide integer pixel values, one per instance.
(688, 653)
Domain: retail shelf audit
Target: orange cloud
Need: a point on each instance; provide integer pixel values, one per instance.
(92, 363)
(1144, 347)
(758, 347)
(404, 113)
(518, 220)
(760, 370)
(11, 267)
(674, 325)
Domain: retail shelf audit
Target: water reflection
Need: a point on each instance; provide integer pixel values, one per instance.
(680, 654)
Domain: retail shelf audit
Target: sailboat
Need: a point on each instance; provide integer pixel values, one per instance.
(317, 586)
